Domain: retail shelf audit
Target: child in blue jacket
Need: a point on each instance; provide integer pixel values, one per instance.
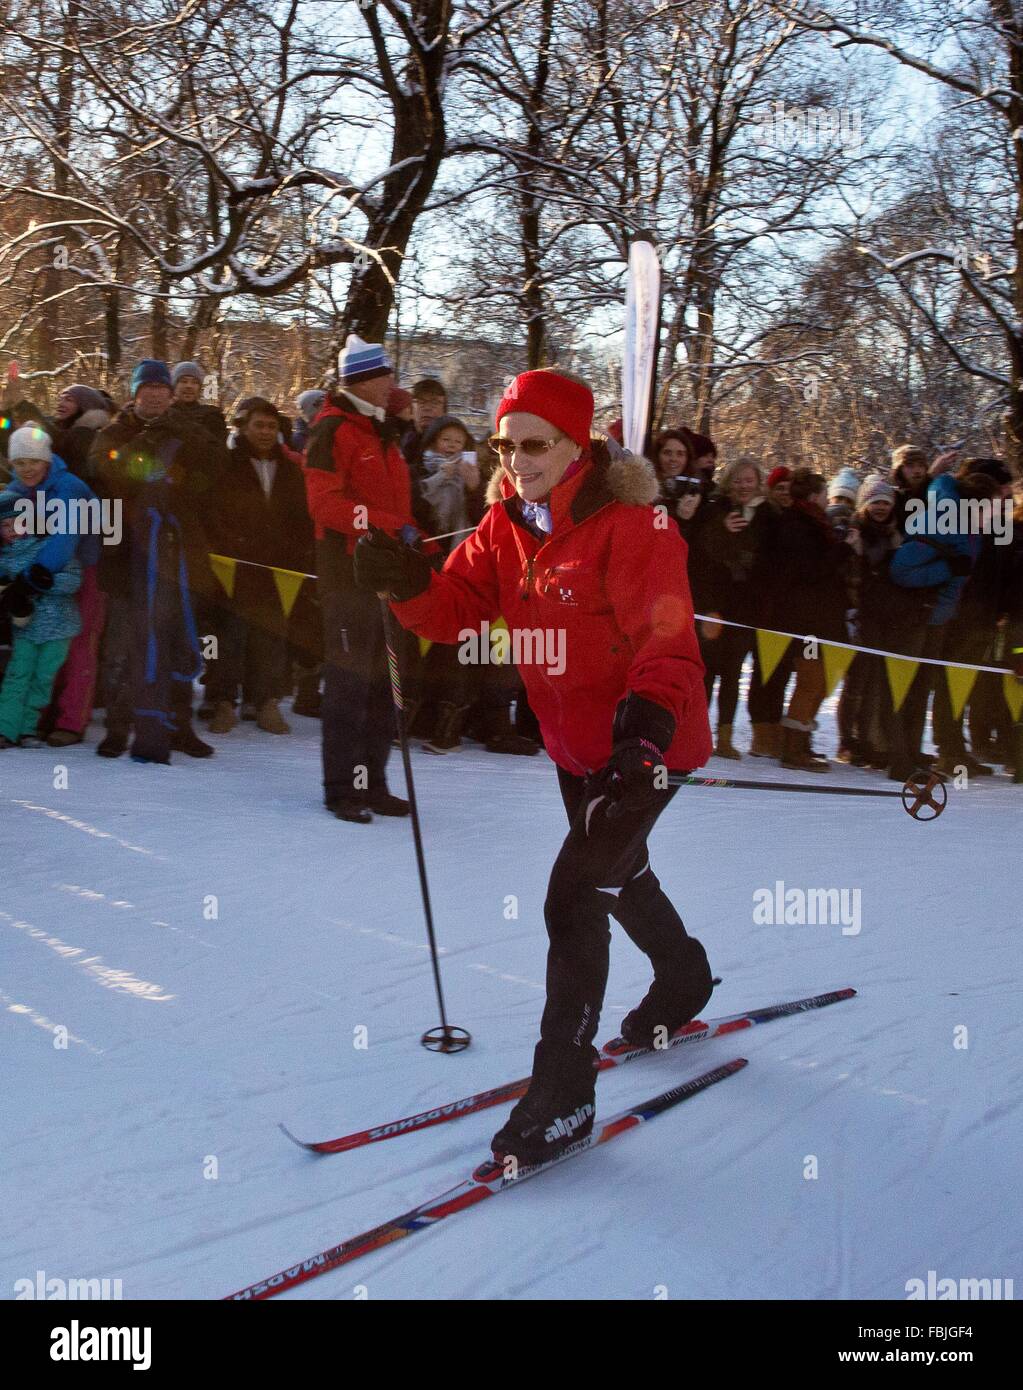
(44, 618)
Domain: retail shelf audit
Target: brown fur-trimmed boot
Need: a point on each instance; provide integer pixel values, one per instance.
(723, 747)
(796, 751)
(766, 741)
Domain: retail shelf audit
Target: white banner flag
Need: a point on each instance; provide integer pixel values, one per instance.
(642, 302)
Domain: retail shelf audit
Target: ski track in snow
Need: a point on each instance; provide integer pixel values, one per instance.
(318, 934)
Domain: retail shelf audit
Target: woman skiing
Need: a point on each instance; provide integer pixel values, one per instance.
(572, 544)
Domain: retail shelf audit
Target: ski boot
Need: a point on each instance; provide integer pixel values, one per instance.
(555, 1113)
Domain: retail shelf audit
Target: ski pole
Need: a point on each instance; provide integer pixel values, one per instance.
(446, 1037)
(922, 792)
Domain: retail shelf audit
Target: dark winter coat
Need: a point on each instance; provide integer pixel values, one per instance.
(157, 464)
(986, 594)
(246, 524)
(197, 415)
(610, 580)
(906, 494)
(73, 440)
(869, 582)
(700, 572)
(731, 560)
(410, 443)
(807, 592)
(1012, 600)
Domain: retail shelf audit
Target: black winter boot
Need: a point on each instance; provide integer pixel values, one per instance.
(502, 737)
(186, 740)
(351, 809)
(447, 734)
(556, 1112)
(380, 800)
(115, 743)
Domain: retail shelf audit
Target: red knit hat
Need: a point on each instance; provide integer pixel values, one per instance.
(398, 400)
(564, 403)
(781, 474)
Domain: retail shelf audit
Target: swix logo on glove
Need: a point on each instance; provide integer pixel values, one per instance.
(566, 1125)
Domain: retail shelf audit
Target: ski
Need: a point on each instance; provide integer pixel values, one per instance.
(613, 1054)
(487, 1180)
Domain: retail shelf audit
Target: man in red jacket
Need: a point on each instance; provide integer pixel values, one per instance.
(355, 479)
(572, 550)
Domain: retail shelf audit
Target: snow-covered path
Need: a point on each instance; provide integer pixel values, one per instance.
(191, 1034)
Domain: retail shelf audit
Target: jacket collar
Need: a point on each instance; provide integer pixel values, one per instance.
(602, 479)
(340, 403)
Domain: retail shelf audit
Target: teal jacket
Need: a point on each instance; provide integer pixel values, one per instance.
(56, 615)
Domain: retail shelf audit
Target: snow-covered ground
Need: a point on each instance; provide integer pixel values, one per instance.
(147, 1149)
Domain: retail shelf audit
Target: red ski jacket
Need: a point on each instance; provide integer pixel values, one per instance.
(353, 462)
(596, 610)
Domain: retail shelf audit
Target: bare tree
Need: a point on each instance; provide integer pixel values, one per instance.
(973, 54)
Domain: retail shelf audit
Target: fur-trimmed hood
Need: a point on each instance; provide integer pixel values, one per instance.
(93, 419)
(615, 475)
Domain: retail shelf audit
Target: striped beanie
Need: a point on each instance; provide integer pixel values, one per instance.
(874, 488)
(359, 361)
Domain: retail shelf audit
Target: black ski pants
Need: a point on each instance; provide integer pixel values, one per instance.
(601, 868)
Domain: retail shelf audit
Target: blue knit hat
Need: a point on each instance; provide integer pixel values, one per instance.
(309, 404)
(359, 361)
(149, 372)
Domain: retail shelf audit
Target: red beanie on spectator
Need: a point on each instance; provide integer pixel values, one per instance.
(566, 404)
(398, 400)
(781, 474)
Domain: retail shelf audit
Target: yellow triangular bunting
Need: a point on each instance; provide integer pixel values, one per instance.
(424, 645)
(225, 570)
(288, 582)
(770, 650)
(501, 650)
(837, 661)
(900, 678)
(1014, 697)
(960, 683)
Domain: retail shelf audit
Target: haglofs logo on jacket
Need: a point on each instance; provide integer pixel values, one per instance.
(566, 1125)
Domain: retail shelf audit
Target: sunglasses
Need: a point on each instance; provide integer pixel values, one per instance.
(530, 447)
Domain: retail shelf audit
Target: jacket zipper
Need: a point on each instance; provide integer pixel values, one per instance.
(528, 585)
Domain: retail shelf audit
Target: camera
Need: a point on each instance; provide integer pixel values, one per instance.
(679, 486)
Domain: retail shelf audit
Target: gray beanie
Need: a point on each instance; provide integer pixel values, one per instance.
(845, 484)
(187, 369)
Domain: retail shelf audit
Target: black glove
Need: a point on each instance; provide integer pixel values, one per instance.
(18, 599)
(642, 733)
(385, 566)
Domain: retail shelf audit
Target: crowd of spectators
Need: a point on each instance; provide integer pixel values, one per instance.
(129, 621)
